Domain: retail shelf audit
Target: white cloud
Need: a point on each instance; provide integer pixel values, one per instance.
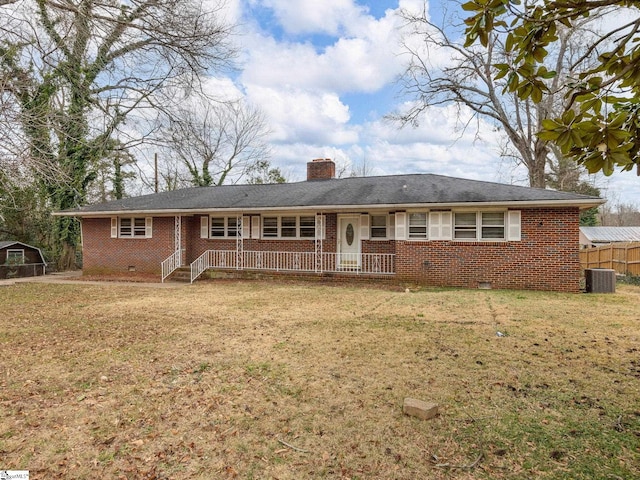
(362, 60)
(222, 88)
(439, 125)
(315, 16)
(299, 116)
(302, 88)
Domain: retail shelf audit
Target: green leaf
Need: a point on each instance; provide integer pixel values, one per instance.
(471, 7)
(536, 94)
(576, 139)
(539, 53)
(548, 135)
(550, 124)
(509, 42)
(568, 117)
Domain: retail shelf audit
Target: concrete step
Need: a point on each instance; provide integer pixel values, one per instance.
(182, 274)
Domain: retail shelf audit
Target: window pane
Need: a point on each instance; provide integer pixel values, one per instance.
(465, 225)
(308, 227)
(493, 218)
(379, 221)
(465, 219)
(15, 257)
(417, 219)
(288, 227)
(493, 232)
(270, 227)
(232, 227)
(493, 225)
(138, 227)
(378, 226)
(466, 234)
(417, 225)
(217, 226)
(126, 229)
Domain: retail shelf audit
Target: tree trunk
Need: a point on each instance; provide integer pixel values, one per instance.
(66, 243)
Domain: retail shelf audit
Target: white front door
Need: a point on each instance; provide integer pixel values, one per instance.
(349, 242)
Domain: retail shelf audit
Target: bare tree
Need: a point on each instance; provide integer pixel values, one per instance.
(262, 172)
(216, 142)
(362, 168)
(75, 70)
(619, 214)
(469, 78)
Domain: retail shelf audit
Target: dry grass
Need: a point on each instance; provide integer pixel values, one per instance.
(286, 381)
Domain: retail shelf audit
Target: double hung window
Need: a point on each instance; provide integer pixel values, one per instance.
(492, 225)
(479, 225)
(135, 227)
(223, 227)
(289, 227)
(378, 226)
(418, 225)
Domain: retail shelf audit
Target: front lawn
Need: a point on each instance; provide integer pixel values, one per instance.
(257, 380)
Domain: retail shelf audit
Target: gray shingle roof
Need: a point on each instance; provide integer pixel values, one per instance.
(395, 190)
(611, 234)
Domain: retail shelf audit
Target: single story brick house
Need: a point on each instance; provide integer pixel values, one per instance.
(410, 229)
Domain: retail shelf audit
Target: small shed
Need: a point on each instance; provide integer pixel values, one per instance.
(18, 260)
(596, 236)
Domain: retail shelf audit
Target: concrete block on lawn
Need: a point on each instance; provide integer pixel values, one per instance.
(421, 409)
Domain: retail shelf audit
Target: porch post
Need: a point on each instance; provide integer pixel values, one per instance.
(318, 241)
(239, 243)
(178, 238)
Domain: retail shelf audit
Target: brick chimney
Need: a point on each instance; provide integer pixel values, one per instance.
(321, 169)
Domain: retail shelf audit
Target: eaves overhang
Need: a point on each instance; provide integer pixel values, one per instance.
(581, 203)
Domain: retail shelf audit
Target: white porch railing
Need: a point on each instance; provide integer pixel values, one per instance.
(364, 263)
(211, 258)
(173, 262)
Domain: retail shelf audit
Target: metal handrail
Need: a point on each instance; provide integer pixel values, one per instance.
(171, 264)
(199, 265)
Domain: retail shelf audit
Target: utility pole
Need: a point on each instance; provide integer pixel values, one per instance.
(155, 168)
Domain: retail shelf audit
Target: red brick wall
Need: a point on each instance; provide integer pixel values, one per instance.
(546, 258)
(103, 255)
(321, 169)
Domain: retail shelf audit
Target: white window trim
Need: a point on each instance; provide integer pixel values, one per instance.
(279, 227)
(478, 228)
(226, 227)
(441, 225)
(116, 227)
(426, 226)
(388, 227)
(14, 250)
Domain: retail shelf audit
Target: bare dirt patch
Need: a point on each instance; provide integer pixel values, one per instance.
(289, 381)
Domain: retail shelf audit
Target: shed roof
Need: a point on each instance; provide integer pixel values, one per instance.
(359, 192)
(13, 243)
(611, 234)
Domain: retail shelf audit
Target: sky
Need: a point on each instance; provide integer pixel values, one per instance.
(324, 73)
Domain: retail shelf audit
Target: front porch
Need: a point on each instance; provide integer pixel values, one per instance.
(374, 264)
